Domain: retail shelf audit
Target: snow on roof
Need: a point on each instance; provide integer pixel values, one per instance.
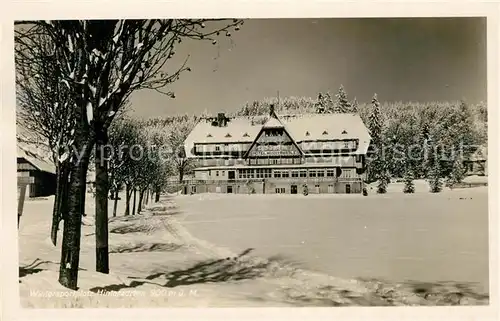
(308, 127)
(37, 157)
(273, 123)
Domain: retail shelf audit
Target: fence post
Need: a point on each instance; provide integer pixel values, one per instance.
(23, 183)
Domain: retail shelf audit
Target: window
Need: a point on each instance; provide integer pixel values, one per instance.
(312, 173)
(358, 158)
(307, 134)
(246, 135)
(330, 173)
(193, 189)
(216, 173)
(303, 173)
(285, 174)
(344, 132)
(325, 133)
(346, 145)
(223, 173)
(295, 173)
(347, 173)
(277, 174)
(279, 190)
(228, 135)
(209, 173)
(209, 135)
(217, 148)
(321, 173)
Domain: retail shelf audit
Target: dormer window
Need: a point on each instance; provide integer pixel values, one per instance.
(344, 132)
(307, 134)
(246, 135)
(209, 135)
(228, 135)
(325, 133)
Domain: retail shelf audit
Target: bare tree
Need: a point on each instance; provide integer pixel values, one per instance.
(103, 62)
(178, 131)
(44, 107)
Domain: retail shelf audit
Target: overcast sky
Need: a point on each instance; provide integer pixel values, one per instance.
(423, 59)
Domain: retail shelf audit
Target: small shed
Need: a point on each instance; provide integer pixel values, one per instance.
(36, 163)
(477, 163)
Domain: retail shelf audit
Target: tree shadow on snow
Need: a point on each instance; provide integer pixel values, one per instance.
(446, 292)
(145, 247)
(32, 268)
(210, 271)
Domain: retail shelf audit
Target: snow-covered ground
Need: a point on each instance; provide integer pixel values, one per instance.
(156, 262)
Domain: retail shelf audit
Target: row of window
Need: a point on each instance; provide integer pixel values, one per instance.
(242, 147)
(257, 173)
(285, 173)
(274, 161)
(346, 161)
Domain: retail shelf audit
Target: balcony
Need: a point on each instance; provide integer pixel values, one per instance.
(301, 180)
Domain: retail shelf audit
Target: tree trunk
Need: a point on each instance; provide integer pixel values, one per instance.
(141, 200)
(147, 197)
(133, 206)
(127, 199)
(62, 176)
(181, 173)
(157, 196)
(115, 205)
(70, 251)
(101, 203)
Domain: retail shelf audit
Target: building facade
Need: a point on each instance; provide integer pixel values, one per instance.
(477, 163)
(31, 163)
(322, 153)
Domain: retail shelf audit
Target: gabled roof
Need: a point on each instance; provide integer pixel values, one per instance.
(36, 157)
(273, 123)
(309, 127)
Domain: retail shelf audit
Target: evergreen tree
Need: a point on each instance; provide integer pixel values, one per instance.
(375, 127)
(342, 104)
(329, 103)
(321, 104)
(457, 173)
(435, 182)
(354, 105)
(383, 182)
(464, 128)
(423, 165)
(409, 185)
(375, 121)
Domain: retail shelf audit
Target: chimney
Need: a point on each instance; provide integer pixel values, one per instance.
(221, 119)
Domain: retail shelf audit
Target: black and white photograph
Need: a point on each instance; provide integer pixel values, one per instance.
(203, 162)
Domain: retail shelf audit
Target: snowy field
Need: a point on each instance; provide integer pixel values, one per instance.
(397, 237)
(168, 257)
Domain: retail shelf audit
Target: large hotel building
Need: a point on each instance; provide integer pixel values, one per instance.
(323, 153)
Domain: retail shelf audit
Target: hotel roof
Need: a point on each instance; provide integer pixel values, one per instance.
(302, 128)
